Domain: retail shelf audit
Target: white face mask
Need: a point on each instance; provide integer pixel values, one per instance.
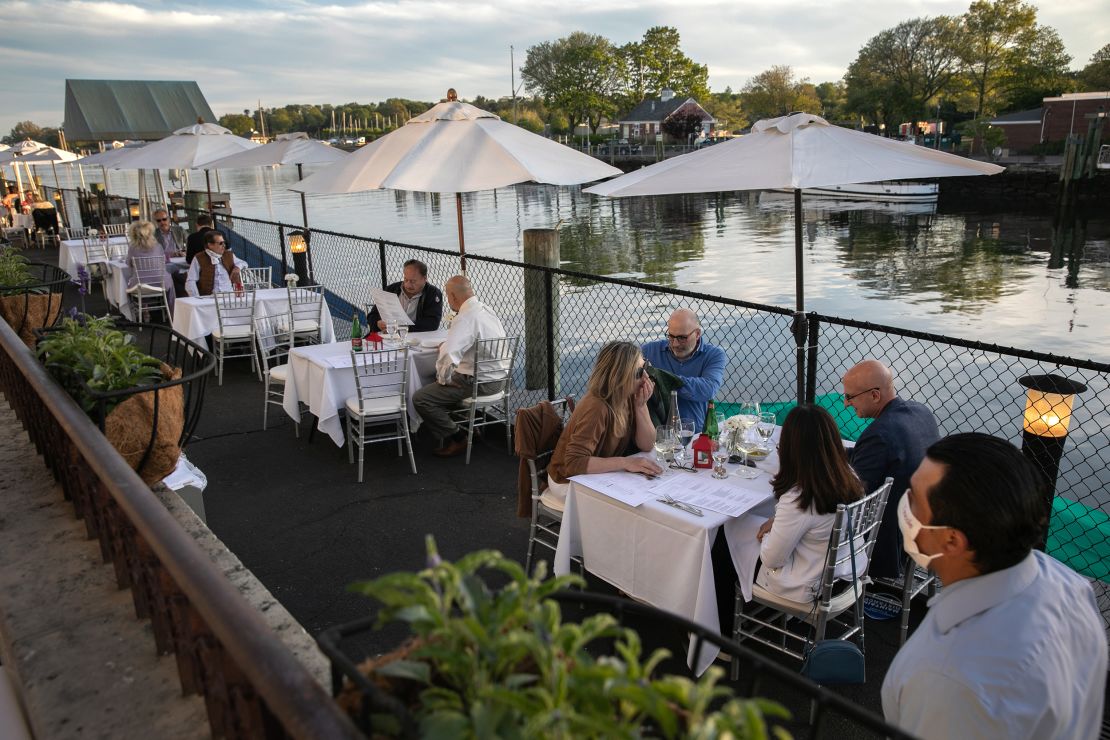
(910, 527)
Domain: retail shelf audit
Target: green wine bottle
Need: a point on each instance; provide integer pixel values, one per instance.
(710, 427)
(356, 334)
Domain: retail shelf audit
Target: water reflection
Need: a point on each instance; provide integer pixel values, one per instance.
(1011, 277)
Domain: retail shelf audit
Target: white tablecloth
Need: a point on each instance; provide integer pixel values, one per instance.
(662, 555)
(196, 317)
(314, 380)
(72, 253)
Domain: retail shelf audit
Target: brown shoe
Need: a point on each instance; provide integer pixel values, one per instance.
(452, 448)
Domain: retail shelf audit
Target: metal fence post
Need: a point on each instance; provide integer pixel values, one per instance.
(811, 364)
(381, 262)
(281, 244)
(549, 292)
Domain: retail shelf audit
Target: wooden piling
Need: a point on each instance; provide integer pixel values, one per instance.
(541, 322)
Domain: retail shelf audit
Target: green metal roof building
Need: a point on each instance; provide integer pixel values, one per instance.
(107, 110)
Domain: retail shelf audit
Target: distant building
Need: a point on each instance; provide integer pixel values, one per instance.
(106, 110)
(1052, 122)
(646, 120)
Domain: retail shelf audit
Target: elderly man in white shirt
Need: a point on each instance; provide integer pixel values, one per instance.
(215, 270)
(455, 366)
(1013, 646)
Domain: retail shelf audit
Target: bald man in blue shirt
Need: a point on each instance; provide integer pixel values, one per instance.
(685, 353)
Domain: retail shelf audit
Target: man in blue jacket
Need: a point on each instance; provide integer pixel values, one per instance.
(893, 445)
(422, 301)
(700, 365)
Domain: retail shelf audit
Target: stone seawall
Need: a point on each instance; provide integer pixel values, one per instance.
(1021, 187)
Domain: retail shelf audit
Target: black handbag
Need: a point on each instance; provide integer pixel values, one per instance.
(833, 662)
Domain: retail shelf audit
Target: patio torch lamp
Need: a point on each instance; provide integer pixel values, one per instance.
(298, 246)
(1048, 407)
(133, 211)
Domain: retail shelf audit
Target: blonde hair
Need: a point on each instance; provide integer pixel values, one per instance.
(614, 381)
(141, 235)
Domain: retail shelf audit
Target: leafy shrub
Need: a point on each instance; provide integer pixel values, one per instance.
(505, 664)
(91, 354)
(14, 271)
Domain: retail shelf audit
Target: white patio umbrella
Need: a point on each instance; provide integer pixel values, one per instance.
(16, 155)
(456, 148)
(191, 147)
(796, 151)
(52, 155)
(293, 148)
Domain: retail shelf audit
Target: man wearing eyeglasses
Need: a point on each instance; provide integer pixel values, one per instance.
(893, 445)
(214, 270)
(700, 364)
(171, 236)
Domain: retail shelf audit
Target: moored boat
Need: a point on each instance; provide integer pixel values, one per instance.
(892, 192)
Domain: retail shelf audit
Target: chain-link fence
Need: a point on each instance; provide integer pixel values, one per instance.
(970, 386)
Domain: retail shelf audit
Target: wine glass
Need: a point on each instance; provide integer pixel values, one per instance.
(766, 428)
(402, 332)
(720, 456)
(749, 414)
(746, 442)
(391, 329)
(664, 443)
(685, 435)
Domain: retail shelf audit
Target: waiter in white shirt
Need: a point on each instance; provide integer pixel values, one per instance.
(215, 270)
(455, 366)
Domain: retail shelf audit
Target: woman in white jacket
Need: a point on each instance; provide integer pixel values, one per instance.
(814, 476)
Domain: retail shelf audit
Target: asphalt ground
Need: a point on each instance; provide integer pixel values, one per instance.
(291, 509)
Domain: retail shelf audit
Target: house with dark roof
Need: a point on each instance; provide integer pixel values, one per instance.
(1058, 118)
(646, 120)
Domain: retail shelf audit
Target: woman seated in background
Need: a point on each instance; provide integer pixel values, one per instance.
(610, 421)
(814, 476)
(141, 242)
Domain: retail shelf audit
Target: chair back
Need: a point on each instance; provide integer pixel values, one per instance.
(149, 271)
(537, 464)
(274, 338)
(114, 229)
(255, 278)
(493, 361)
(96, 252)
(234, 309)
(306, 303)
(381, 374)
(69, 233)
(864, 516)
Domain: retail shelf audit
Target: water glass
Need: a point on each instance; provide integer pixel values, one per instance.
(664, 443)
(685, 436)
(720, 456)
(391, 329)
(402, 332)
(766, 428)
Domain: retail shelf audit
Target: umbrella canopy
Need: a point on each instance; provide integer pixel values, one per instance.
(796, 151)
(108, 157)
(49, 155)
(456, 148)
(286, 149)
(192, 147)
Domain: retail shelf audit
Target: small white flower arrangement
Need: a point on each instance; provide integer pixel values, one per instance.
(449, 318)
(291, 278)
(735, 423)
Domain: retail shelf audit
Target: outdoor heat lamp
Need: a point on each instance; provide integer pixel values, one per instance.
(1048, 407)
(133, 211)
(298, 245)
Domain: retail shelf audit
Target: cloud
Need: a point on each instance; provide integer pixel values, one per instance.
(287, 51)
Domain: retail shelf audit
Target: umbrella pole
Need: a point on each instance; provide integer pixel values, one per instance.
(304, 205)
(58, 188)
(462, 242)
(208, 186)
(799, 326)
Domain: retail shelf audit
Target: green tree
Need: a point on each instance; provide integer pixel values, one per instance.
(529, 120)
(833, 97)
(1003, 50)
(728, 109)
(775, 92)
(238, 124)
(1095, 77)
(578, 74)
(657, 62)
(901, 70)
(31, 130)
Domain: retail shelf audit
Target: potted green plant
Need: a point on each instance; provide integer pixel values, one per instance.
(30, 293)
(504, 663)
(135, 398)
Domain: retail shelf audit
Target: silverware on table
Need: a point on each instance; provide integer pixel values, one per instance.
(671, 501)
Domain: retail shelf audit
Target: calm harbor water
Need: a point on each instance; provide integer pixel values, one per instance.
(988, 276)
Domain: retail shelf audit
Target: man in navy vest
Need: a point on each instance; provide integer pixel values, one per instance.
(893, 445)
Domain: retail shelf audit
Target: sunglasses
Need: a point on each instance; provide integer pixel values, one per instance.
(678, 337)
(160, 220)
(642, 369)
(848, 399)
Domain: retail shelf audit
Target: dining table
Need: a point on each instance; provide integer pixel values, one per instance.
(71, 253)
(195, 317)
(660, 554)
(321, 377)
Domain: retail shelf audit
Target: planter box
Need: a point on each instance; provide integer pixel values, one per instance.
(36, 305)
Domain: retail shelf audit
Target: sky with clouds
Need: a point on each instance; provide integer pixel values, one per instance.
(294, 51)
